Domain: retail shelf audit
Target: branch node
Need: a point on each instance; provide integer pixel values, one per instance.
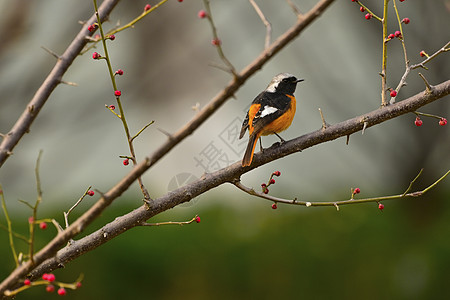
(51, 52)
(429, 87)
(69, 83)
(324, 124)
(165, 133)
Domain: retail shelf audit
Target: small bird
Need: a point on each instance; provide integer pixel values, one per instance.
(271, 112)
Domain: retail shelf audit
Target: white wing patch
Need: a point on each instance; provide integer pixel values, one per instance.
(267, 111)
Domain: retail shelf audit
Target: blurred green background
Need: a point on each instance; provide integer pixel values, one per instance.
(242, 248)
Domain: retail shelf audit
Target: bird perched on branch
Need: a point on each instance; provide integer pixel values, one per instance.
(271, 112)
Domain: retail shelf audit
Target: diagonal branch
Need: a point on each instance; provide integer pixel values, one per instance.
(209, 181)
(23, 124)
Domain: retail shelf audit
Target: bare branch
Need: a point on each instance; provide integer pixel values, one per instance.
(265, 21)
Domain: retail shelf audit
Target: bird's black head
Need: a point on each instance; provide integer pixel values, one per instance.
(283, 83)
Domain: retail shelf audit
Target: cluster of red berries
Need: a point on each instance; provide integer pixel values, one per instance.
(264, 186)
(396, 34)
(418, 121)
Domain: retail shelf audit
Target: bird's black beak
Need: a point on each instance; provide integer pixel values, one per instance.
(299, 80)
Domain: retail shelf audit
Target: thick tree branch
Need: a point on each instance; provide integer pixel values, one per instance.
(228, 174)
(23, 124)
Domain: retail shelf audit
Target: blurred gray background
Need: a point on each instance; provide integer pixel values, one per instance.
(166, 61)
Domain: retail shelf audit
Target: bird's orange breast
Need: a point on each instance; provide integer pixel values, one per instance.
(283, 122)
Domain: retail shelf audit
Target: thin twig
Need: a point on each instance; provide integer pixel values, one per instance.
(35, 207)
(119, 103)
(218, 44)
(412, 182)
(140, 131)
(265, 21)
(383, 73)
(295, 9)
(252, 192)
(9, 224)
(66, 214)
(194, 219)
(418, 65)
(324, 124)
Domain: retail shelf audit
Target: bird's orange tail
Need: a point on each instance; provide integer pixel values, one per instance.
(248, 156)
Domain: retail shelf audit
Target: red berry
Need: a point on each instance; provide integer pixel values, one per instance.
(117, 93)
(274, 206)
(422, 53)
(92, 27)
(272, 181)
(180, 0)
(62, 291)
(50, 288)
(402, 0)
(381, 206)
(197, 219)
(119, 72)
(362, 9)
(201, 14)
(43, 225)
(44, 276)
(356, 191)
(112, 107)
(406, 20)
(147, 7)
(393, 93)
(276, 173)
(391, 36)
(266, 191)
(418, 121)
(368, 16)
(112, 37)
(78, 285)
(216, 42)
(27, 282)
(398, 34)
(263, 185)
(91, 193)
(31, 220)
(126, 162)
(443, 121)
(354, 0)
(95, 55)
(50, 277)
